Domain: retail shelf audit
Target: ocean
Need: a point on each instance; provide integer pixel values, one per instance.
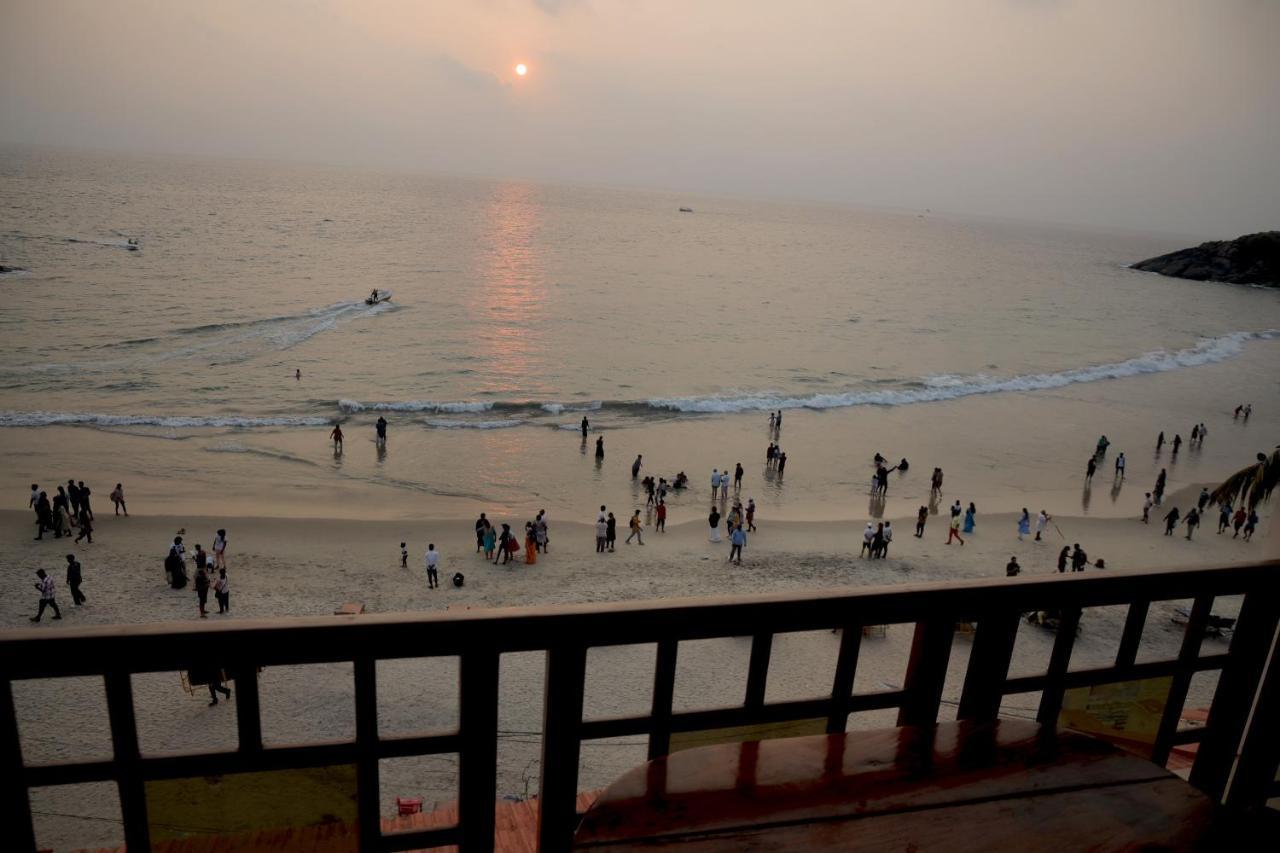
(996, 350)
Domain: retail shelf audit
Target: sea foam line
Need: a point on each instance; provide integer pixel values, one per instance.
(30, 419)
(950, 387)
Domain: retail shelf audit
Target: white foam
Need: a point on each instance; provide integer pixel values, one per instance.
(33, 419)
(460, 407)
(950, 387)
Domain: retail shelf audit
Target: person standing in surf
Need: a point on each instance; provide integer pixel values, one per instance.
(586, 425)
(600, 447)
(380, 431)
(635, 466)
(336, 436)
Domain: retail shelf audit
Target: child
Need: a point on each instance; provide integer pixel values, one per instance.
(404, 556)
(433, 560)
(222, 591)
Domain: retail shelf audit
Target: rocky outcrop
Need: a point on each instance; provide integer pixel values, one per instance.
(1251, 259)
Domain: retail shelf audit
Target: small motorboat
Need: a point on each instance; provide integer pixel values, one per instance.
(378, 296)
(686, 210)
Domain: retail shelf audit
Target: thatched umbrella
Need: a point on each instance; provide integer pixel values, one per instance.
(1254, 484)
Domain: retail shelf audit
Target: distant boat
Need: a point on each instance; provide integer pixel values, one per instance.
(378, 296)
(686, 210)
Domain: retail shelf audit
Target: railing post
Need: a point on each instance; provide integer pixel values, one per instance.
(842, 682)
(664, 684)
(368, 788)
(1134, 622)
(926, 672)
(16, 812)
(561, 746)
(1255, 774)
(1192, 639)
(248, 709)
(1059, 660)
(478, 754)
(988, 667)
(124, 743)
(758, 670)
(1237, 688)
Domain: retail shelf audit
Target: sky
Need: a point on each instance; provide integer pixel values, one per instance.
(1155, 115)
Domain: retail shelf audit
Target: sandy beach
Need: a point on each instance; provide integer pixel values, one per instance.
(283, 567)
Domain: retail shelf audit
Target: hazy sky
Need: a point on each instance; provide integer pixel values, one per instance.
(1151, 114)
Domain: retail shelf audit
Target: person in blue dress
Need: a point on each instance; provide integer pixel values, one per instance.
(1024, 524)
(969, 516)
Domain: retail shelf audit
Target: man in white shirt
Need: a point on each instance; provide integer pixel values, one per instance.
(867, 536)
(1041, 520)
(888, 537)
(433, 560)
(45, 585)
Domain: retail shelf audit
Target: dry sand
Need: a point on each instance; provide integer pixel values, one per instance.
(289, 567)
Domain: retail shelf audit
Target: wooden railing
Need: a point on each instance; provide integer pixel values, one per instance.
(1241, 722)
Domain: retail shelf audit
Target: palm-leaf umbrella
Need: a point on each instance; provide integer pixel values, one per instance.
(1253, 484)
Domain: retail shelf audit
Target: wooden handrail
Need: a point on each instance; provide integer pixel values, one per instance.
(480, 637)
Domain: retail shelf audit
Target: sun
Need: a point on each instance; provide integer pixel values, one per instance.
(522, 69)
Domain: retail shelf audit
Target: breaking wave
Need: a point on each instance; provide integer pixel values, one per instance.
(34, 419)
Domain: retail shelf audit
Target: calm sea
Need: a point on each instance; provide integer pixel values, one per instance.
(518, 307)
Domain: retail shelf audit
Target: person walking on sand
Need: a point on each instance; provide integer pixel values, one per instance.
(935, 482)
(432, 560)
(751, 515)
(877, 541)
(1250, 524)
(336, 435)
(1171, 521)
(44, 515)
(600, 447)
(1204, 431)
(1177, 442)
(956, 509)
(1090, 467)
(602, 531)
(482, 524)
(1195, 432)
(1159, 441)
(724, 485)
(774, 421)
(44, 583)
(737, 477)
(85, 507)
(660, 517)
(220, 549)
(636, 528)
(117, 498)
(1063, 556)
(1041, 521)
(635, 466)
(505, 543)
(1079, 559)
(868, 536)
(1147, 503)
(530, 544)
(1012, 569)
(737, 541)
(1160, 481)
(1024, 524)
(86, 525)
(586, 426)
(1203, 499)
(74, 579)
(540, 531)
(1120, 463)
(954, 531)
(202, 588)
(490, 541)
(713, 522)
(1103, 444)
(782, 462)
(222, 592)
(1192, 521)
(611, 532)
(922, 515)
(1224, 517)
(1238, 520)
(888, 539)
